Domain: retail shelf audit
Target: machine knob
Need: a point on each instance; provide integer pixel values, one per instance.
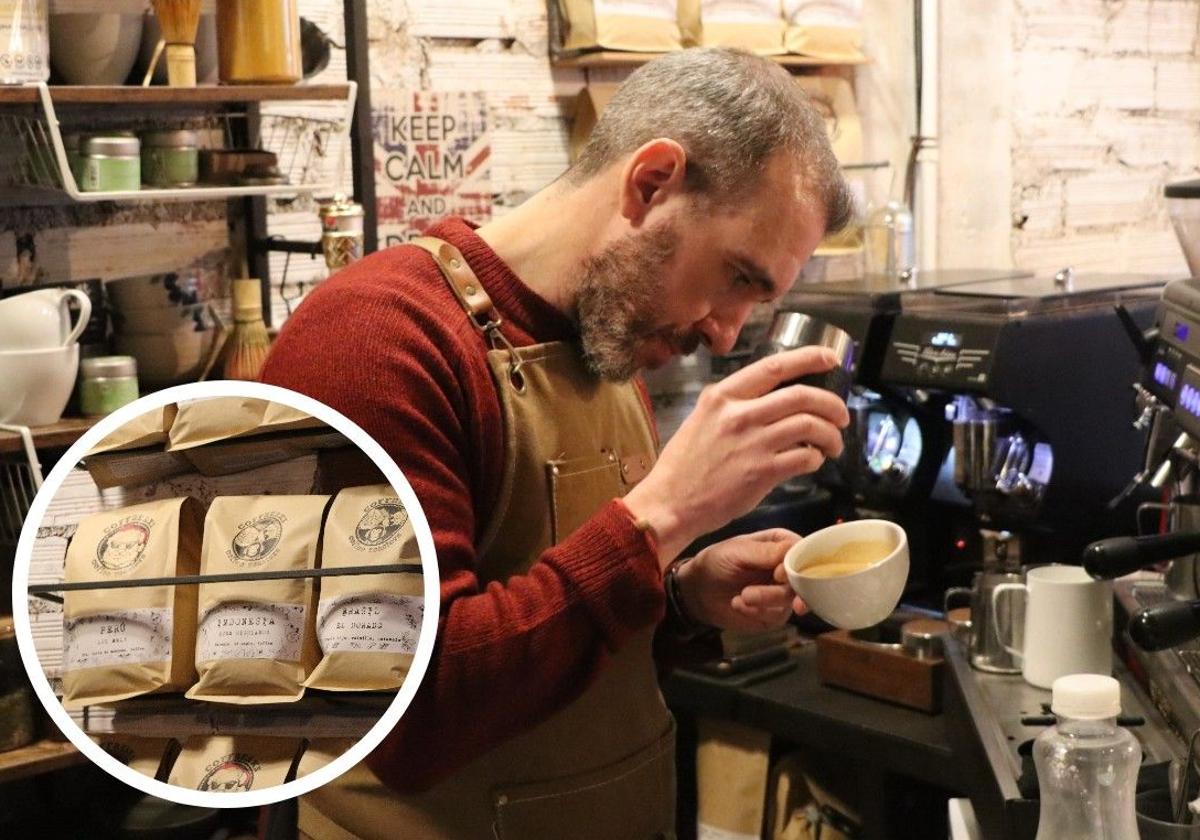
(1148, 407)
(898, 470)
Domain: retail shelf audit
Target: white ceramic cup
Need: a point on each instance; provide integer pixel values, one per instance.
(1068, 624)
(37, 384)
(40, 320)
(861, 598)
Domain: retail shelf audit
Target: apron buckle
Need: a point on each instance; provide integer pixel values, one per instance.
(499, 341)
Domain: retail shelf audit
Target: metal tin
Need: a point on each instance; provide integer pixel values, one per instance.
(171, 158)
(341, 231)
(340, 214)
(112, 146)
(111, 163)
(179, 138)
(106, 383)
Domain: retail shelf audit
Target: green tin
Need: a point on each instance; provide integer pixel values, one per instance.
(170, 159)
(111, 164)
(106, 383)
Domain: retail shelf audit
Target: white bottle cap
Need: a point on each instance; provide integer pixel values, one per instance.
(1086, 697)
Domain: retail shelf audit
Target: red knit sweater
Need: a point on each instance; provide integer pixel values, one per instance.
(386, 343)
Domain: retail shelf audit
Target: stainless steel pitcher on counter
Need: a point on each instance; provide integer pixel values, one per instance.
(1002, 563)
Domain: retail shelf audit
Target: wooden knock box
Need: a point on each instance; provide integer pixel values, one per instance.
(902, 665)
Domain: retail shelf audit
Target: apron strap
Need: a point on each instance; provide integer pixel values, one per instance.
(471, 296)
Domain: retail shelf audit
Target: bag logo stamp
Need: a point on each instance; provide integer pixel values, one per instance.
(257, 540)
(230, 774)
(123, 544)
(379, 526)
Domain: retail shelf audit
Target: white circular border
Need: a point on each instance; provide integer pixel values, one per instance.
(90, 748)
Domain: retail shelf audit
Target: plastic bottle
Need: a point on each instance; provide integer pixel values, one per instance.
(1087, 766)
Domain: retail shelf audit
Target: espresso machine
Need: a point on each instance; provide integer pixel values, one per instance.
(898, 439)
(1035, 373)
(1162, 642)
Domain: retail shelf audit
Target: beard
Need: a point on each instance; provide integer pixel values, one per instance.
(620, 300)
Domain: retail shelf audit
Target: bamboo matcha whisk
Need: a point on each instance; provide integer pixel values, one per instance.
(249, 343)
(179, 20)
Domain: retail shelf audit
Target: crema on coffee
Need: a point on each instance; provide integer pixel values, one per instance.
(850, 557)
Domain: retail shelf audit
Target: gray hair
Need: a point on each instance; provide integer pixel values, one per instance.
(731, 111)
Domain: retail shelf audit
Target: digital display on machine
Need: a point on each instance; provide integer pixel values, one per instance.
(944, 338)
(1181, 331)
(1189, 398)
(1164, 376)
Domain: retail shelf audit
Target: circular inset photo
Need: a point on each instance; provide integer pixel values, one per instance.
(225, 594)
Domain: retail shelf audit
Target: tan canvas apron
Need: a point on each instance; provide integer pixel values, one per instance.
(603, 767)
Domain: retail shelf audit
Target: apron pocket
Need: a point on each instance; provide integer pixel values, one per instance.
(578, 488)
(633, 799)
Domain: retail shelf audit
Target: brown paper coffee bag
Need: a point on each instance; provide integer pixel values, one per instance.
(145, 755)
(367, 625)
(148, 429)
(254, 642)
(827, 29)
(753, 25)
(636, 25)
(120, 643)
(322, 751)
(223, 418)
(235, 763)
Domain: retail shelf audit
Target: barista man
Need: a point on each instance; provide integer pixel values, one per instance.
(496, 366)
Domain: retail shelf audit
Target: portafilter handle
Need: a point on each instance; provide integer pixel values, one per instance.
(1165, 625)
(1117, 556)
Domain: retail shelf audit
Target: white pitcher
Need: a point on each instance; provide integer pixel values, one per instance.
(40, 320)
(1068, 624)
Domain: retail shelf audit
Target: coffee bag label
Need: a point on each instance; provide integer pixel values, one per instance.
(257, 540)
(380, 525)
(374, 623)
(125, 637)
(231, 773)
(663, 9)
(122, 546)
(245, 630)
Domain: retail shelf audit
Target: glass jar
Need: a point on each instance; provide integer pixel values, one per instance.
(889, 240)
(112, 163)
(106, 383)
(170, 158)
(259, 41)
(24, 41)
(16, 696)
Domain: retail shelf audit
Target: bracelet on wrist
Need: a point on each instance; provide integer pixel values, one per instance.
(688, 626)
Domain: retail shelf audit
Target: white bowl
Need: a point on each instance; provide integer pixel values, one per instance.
(37, 384)
(94, 48)
(860, 598)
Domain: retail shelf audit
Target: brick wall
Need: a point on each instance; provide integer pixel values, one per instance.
(1105, 110)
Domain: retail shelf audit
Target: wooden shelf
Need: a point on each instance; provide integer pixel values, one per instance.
(39, 757)
(57, 435)
(162, 95)
(613, 58)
